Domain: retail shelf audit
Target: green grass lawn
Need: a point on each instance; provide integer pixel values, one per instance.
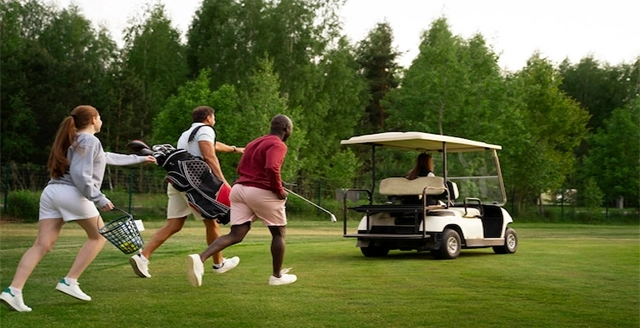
(562, 276)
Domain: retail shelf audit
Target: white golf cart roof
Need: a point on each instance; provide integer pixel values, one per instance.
(420, 141)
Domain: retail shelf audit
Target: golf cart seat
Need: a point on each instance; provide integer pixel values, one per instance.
(405, 195)
(409, 192)
(397, 186)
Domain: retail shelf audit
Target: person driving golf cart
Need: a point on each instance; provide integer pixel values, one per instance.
(422, 168)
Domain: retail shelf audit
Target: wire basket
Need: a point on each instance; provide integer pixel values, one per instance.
(123, 233)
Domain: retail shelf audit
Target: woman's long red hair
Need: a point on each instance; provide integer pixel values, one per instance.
(79, 118)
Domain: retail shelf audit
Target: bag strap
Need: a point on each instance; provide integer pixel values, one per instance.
(195, 130)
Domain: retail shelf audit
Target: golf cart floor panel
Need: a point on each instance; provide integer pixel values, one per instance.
(387, 236)
(393, 208)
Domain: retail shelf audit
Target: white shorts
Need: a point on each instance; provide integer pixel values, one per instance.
(250, 203)
(178, 206)
(66, 202)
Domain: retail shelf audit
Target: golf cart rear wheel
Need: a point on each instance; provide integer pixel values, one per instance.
(510, 243)
(450, 246)
(374, 251)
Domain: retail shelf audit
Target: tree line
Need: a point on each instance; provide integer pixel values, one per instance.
(565, 126)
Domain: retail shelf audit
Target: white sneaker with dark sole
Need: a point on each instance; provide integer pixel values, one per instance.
(140, 265)
(14, 302)
(284, 279)
(72, 290)
(195, 270)
(227, 264)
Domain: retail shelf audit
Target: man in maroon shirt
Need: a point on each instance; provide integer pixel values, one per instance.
(256, 194)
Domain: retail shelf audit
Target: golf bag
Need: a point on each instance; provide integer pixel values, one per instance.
(207, 194)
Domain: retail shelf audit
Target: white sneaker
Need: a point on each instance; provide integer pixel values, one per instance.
(140, 265)
(72, 290)
(14, 302)
(227, 264)
(284, 279)
(195, 270)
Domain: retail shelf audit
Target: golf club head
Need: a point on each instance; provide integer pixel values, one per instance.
(164, 148)
(139, 148)
(333, 218)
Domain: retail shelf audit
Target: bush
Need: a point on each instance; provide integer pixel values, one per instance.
(23, 205)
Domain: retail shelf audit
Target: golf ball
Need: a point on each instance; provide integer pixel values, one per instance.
(127, 245)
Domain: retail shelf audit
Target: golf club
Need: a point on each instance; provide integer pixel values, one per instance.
(333, 217)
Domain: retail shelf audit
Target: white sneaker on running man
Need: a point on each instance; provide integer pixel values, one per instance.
(140, 265)
(284, 279)
(195, 270)
(227, 264)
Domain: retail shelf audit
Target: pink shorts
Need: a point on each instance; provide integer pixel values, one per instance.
(250, 203)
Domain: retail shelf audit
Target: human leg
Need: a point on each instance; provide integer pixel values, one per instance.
(177, 212)
(277, 248)
(172, 226)
(140, 262)
(271, 210)
(220, 264)
(235, 235)
(69, 284)
(48, 232)
(91, 247)
(280, 276)
(195, 268)
(213, 232)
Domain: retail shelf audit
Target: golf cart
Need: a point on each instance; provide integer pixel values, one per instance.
(459, 208)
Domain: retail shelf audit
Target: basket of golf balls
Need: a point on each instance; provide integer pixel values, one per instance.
(123, 233)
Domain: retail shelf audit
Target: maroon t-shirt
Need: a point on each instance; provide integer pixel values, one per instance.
(261, 162)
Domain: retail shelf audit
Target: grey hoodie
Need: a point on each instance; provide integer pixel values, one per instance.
(87, 164)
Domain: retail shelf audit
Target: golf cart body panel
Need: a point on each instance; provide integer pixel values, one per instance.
(430, 213)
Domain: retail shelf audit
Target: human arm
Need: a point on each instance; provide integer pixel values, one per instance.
(123, 160)
(273, 164)
(224, 148)
(208, 151)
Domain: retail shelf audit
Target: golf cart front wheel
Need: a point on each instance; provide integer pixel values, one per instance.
(510, 243)
(374, 251)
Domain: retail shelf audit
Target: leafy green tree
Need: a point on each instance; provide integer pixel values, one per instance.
(599, 88)
(614, 155)
(340, 95)
(432, 86)
(230, 37)
(152, 67)
(20, 24)
(233, 38)
(453, 87)
(211, 40)
(553, 125)
(378, 62)
(61, 62)
(592, 197)
(260, 104)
